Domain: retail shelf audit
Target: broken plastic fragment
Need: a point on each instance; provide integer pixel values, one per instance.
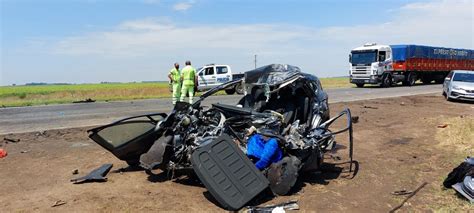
(3, 153)
(97, 175)
(291, 205)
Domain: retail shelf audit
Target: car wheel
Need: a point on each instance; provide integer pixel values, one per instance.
(446, 95)
(283, 174)
(230, 91)
(239, 89)
(360, 85)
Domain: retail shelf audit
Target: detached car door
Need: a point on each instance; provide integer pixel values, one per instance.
(128, 138)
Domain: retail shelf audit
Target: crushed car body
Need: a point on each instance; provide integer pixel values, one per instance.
(281, 106)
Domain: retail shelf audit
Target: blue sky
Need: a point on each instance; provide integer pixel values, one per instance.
(79, 41)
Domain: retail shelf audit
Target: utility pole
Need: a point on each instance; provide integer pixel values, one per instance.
(255, 60)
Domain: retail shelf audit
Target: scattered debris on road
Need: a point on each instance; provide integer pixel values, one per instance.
(97, 175)
(408, 197)
(290, 205)
(41, 133)
(88, 100)
(369, 107)
(442, 126)
(3, 153)
(11, 140)
(59, 203)
(401, 192)
(355, 119)
(24, 151)
(75, 171)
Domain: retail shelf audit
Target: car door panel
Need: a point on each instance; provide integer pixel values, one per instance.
(128, 138)
(222, 74)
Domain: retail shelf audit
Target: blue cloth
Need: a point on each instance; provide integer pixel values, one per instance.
(266, 152)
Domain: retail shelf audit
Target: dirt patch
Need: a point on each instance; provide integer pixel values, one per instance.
(397, 145)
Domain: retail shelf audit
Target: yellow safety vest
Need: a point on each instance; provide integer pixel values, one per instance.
(188, 73)
(175, 75)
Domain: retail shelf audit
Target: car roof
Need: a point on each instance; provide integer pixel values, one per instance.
(463, 71)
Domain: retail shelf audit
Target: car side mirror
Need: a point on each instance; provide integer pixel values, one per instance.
(447, 79)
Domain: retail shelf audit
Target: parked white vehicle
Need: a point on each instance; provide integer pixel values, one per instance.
(212, 75)
(459, 85)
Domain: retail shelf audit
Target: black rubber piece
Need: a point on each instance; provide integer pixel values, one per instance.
(228, 174)
(155, 155)
(283, 175)
(97, 175)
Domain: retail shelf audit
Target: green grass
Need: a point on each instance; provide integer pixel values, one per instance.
(57, 94)
(339, 82)
(54, 94)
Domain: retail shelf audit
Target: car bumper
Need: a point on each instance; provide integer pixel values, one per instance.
(372, 80)
(458, 95)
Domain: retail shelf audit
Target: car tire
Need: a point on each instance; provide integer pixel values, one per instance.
(360, 85)
(230, 91)
(446, 95)
(239, 89)
(283, 174)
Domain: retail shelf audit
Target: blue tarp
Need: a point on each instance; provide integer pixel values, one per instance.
(404, 52)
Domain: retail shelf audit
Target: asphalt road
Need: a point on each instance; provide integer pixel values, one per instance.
(39, 118)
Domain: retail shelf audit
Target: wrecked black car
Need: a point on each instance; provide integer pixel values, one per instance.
(281, 106)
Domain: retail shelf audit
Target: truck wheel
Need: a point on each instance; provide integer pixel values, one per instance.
(386, 80)
(230, 91)
(410, 79)
(239, 89)
(360, 85)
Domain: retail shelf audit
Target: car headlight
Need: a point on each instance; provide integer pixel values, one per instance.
(457, 88)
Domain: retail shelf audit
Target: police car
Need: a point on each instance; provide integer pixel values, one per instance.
(213, 75)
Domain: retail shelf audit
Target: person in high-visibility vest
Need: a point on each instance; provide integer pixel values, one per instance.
(175, 79)
(189, 79)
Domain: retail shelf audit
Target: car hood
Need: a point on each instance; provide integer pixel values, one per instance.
(463, 85)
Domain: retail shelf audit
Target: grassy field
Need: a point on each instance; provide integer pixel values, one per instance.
(57, 94)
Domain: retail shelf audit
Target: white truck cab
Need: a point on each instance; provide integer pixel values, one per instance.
(369, 62)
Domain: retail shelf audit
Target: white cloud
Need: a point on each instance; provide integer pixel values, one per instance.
(152, 44)
(183, 6)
